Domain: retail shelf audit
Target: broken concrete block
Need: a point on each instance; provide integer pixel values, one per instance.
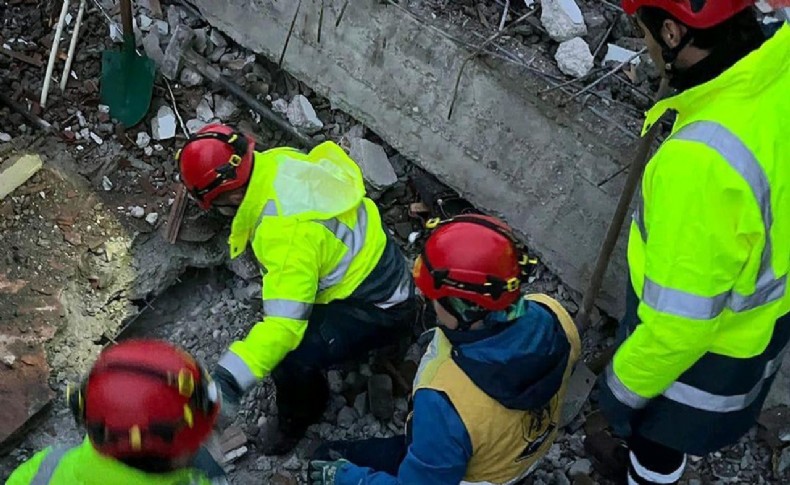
(162, 27)
(373, 161)
(346, 417)
(361, 404)
(16, 172)
(190, 78)
(200, 43)
(217, 38)
(143, 139)
(106, 183)
(779, 395)
(581, 467)
(621, 55)
(580, 384)
(144, 22)
(574, 57)
(152, 218)
(380, 398)
(204, 111)
(194, 125)
(223, 107)
(96, 138)
(137, 212)
(163, 126)
(24, 389)
(562, 19)
(302, 115)
(232, 439)
(335, 381)
(280, 106)
(174, 16)
(152, 48)
(9, 360)
(5, 137)
(179, 43)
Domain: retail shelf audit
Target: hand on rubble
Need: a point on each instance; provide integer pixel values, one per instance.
(324, 472)
(230, 397)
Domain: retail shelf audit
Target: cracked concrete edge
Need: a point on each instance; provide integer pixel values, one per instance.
(503, 150)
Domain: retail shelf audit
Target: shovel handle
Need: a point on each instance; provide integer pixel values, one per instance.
(126, 18)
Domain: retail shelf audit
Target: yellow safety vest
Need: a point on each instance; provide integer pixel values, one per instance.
(709, 247)
(317, 237)
(506, 443)
(83, 465)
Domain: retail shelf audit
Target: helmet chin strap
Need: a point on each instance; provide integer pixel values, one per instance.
(465, 318)
(670, 54)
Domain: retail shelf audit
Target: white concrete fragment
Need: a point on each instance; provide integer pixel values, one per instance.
(5, 137)
(346, 417)
(292, 463)
(152, 47)
(373, 161)
(106, 183)
(152, 218)
(581, 467)
(574, 57)
(144, 22)
(280, 106)
(223, 107)
(9, 360)
(190, 78)
(619, 55)
(143, 139)
(194, 125)
(236, 454)
(148, 151)
(204, 111)
(103, 108)
(562, 19)
(116, 34)
(163, 126)
(162, 27)
(81, 119)
(137, 212)
(96, 138)
(302, 115)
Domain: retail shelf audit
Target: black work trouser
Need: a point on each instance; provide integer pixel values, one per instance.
(651, 463)
(336, 332)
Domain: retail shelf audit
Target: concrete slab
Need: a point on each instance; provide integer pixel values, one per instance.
(504, 149)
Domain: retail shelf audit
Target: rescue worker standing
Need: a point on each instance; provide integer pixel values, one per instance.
(488, 392)
(335, 285)
(147, 407)
(707, 323)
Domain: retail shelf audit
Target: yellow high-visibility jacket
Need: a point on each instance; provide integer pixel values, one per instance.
(316, 236)
(709, 247)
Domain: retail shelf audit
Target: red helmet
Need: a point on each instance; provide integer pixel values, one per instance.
(217, 159)
(475, 258)
(146, 398)
(698, 14)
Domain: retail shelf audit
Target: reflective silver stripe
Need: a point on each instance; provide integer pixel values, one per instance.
(238, 369)
(287, 309)
(682, 304)
(400, 294)
(622, 393)
(353, 239)
(48, 465)
(270, 209)
(639, 215)
(768, 288)
(706, 401)
(655, 477)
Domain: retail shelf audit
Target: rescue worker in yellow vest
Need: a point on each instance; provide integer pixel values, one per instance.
(335, 285)
(488, 391)
(707, 323)
(147, 408)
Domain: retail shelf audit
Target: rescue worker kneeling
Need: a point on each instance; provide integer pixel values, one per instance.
(335, 285)
(488, 391)
(147, 408)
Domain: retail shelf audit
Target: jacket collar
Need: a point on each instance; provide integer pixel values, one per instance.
(750, 75)
(246, 218)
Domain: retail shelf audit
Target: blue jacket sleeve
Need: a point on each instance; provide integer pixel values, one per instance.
(439, 452)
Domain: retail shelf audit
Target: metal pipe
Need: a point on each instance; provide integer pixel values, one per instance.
(53, 53)
(64, 79)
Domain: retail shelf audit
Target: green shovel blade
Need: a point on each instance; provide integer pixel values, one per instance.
(127, 82)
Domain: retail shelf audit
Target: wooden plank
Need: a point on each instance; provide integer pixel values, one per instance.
(22, 57)
(17, 172)
(176, 215)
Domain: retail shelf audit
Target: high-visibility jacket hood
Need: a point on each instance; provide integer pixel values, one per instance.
(519, 358)
(318, 185)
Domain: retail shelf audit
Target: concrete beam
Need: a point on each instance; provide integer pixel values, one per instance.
(503, 149)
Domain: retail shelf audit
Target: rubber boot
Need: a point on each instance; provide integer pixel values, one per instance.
(301, 398)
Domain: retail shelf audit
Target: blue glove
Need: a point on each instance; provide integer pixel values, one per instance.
(619, 415)
(324, 472)
(230, 395)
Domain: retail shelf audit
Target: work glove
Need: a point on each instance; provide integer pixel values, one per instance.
(620, 416)
(325, 472)
(230, 396)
